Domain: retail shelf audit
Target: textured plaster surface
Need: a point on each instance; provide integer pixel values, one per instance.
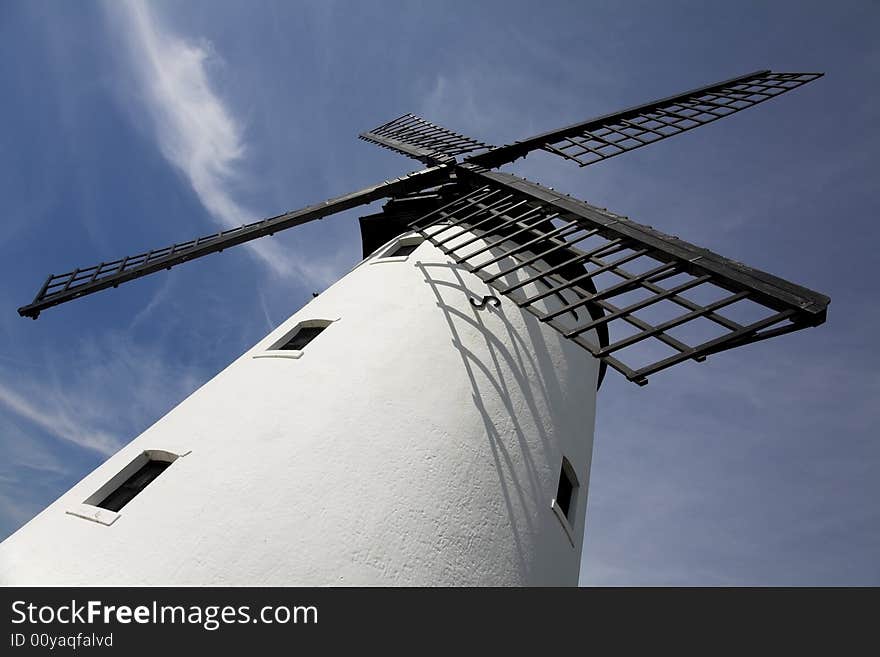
(416, 441)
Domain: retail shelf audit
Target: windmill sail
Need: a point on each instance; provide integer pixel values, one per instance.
(60, 288)
(425, 141)
(636, 288)
(636, 299)
(606, 136)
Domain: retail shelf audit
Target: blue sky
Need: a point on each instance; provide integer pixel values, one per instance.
(130, 126)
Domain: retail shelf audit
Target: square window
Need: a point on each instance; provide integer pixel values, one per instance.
(129, 488)
(563, 494)
(294, 342)
(566, 492)
(402, 251)
(302, 337)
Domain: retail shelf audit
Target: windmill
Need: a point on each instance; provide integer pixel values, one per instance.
(428, 419)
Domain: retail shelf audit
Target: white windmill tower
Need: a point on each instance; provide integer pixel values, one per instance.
(428, 419)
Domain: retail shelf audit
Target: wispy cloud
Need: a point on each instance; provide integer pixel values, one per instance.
(57, 421)
(196, 131)
(68, 406)
(270, 324)
(159, 297)
(118, 389)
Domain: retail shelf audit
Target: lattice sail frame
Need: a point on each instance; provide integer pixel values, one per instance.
(603, 137)
(554, 256)
(425, 141)
(60, 288)
(652, 300)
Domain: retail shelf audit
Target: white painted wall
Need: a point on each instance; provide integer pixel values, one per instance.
(417, 441)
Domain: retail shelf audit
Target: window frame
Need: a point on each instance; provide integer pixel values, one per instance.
(89, 509)
(567, 519)
(274, 350)
(125, 492)
(404, 240)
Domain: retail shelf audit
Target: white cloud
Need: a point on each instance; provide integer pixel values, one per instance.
(114, 388)
(54, 419)
(196, 131)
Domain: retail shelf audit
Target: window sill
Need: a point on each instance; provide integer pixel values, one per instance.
(569, 531)
(280, 353)
(379, 261)
(94, 513)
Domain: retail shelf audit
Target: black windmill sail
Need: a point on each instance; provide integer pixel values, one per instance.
(607, 271)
